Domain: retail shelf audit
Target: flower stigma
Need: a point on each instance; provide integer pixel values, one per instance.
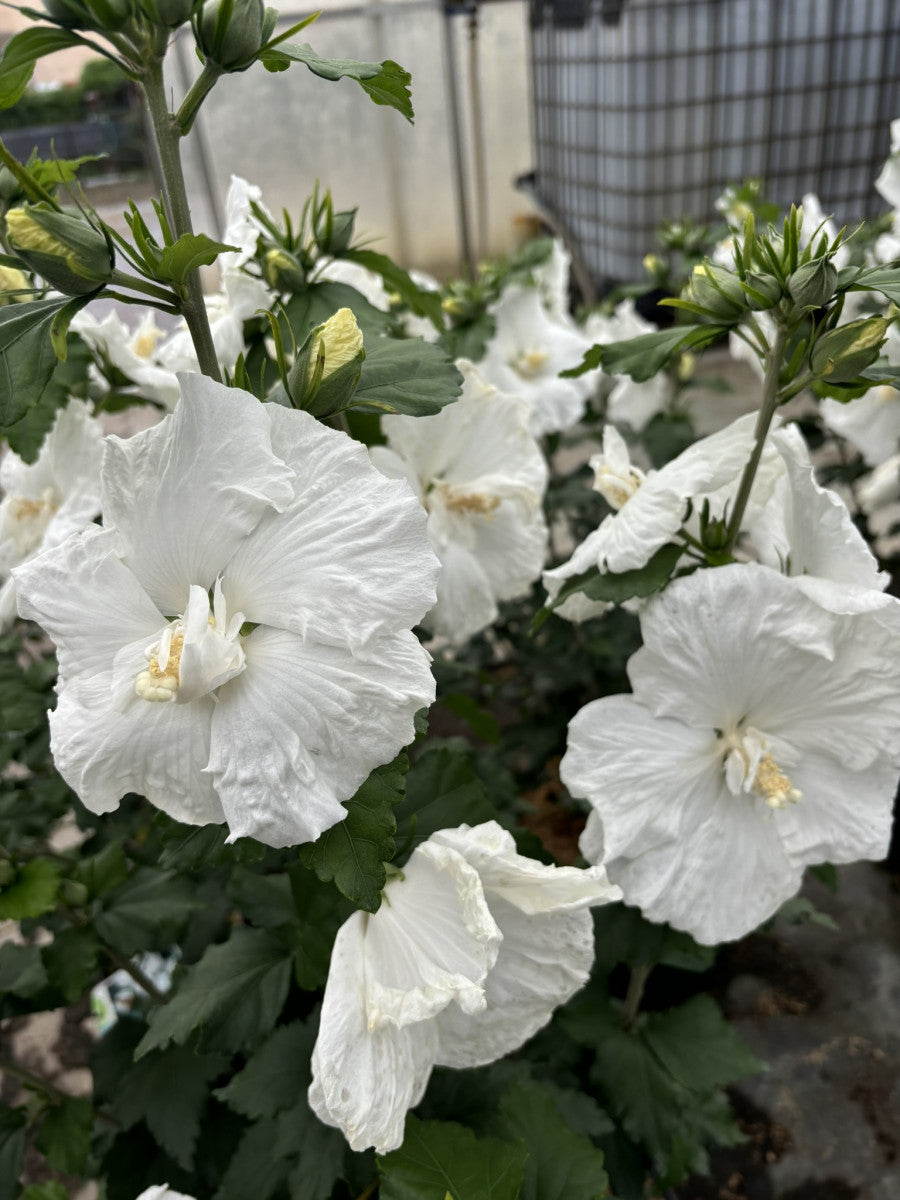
(460, 501)
(749, 767)
(530, 363)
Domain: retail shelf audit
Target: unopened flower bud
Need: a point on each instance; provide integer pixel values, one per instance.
(768, 290)
(109, 14)
(813, 283)
(841, 354)
(74, 893)
(68, 12)
(64, 249)
(12, 280)
(231, 32)
(283, 271)
(327, 367)
(718, 290)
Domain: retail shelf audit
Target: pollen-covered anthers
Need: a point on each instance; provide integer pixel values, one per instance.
(26, 519)
(773, 785)
(144, 344)
(160, 681)
(530, 363)
(749, 767)
(617, 489)
(468, 502)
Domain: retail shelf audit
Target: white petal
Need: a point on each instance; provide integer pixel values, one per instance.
(365, 1080)
(185, 493)
(871, 422)
(465, 598)
(348, 558)
(303, 726)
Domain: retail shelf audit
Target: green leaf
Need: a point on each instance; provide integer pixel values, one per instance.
(277, 1075)
(442, 790)
(479, 720)
(169, 1091)
(561, 1165)
(192, 250)
(643, 356)
(147, 912)
(230, 999)
(21, 970)
(321, 1151)
(426, 304)
(320, 301)
(27, 358)
(33, 892)
(254, 1170)
(45, 1191)
(614, 588)
(13, 1136)
(102, 872)
(698, 1047)
(265, 900)
(23, 51)
(71, 961)
(882, 279)
(65, 1135)
(799, 909)
(438, 1159)
(354, 851)
(69, 378)
(406, 375)
(387, 83)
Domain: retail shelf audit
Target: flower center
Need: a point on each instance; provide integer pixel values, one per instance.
(530, 363)
(615, 487)
(459, 501)
(195, 654)
(749, 767)
(144, 345)
(29, 519)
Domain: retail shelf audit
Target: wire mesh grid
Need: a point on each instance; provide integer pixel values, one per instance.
(646, 109)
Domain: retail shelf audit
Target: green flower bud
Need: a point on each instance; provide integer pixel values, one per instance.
(12, 280)
(231, 32)
(283, 271)
(327, 367)
(718, 290)
(74, 893)
(813, 283)
(768, 288)
(68, 12)
(64, 249)
(843, 353)
(168, 13)
(109, 14)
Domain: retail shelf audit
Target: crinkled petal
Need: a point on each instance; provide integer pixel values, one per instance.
(431, 943)
(365, 1080)
(302, 727)
(465, 599)
(187, 492)
(103, 750)
(348, 558)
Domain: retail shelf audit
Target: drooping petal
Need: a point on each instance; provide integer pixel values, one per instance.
(300, 729)
(184, 494)
(349, 556)
(365, 1079)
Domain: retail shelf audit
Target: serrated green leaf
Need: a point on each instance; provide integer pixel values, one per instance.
(643, 356)
(71, 961)
(561, 1165)
(230, 999)
(27, 358)
(265, 900)
(321, 1151)
(426, 304)
(65, 1135)
(438, 1158)
(45, 1191)
(254, 1170)
(103, 871)
(13, 1136)
(34, 891)
(390, 87)
(442, 790)
(882, 279)
(147, 911)
(26, 436)
(614, 588)
(698, 1047)
(169, 1091)
(192, 250)
(23, 51)
(386, 82)
(21, 970)
(406, 375)
(277, 1075)
(353, 852)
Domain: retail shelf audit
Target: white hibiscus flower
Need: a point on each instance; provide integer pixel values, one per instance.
(470, 953)
(527, 353)
(888, 182)
(761, 736)
(630, 402)
(47, 500)
(481, 476)
(134, 352)
(235, 643)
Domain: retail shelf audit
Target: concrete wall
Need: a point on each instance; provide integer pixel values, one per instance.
(284, 130)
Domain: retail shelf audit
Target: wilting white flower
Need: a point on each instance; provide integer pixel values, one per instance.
(235, 643)
(481, 476)
(525, 356)
(47, 500)
(888, 182)
(471, 951)
(762, 735)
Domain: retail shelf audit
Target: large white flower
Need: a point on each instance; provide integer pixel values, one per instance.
(471, 951)
(762, 735)
(134, 352)
(888, 182)
(47, 500)
(481, 476)
(235, 643)
(527, 353)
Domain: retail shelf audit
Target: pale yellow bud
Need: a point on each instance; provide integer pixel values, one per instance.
(29, 235)
(340, 340)
(12, 280)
